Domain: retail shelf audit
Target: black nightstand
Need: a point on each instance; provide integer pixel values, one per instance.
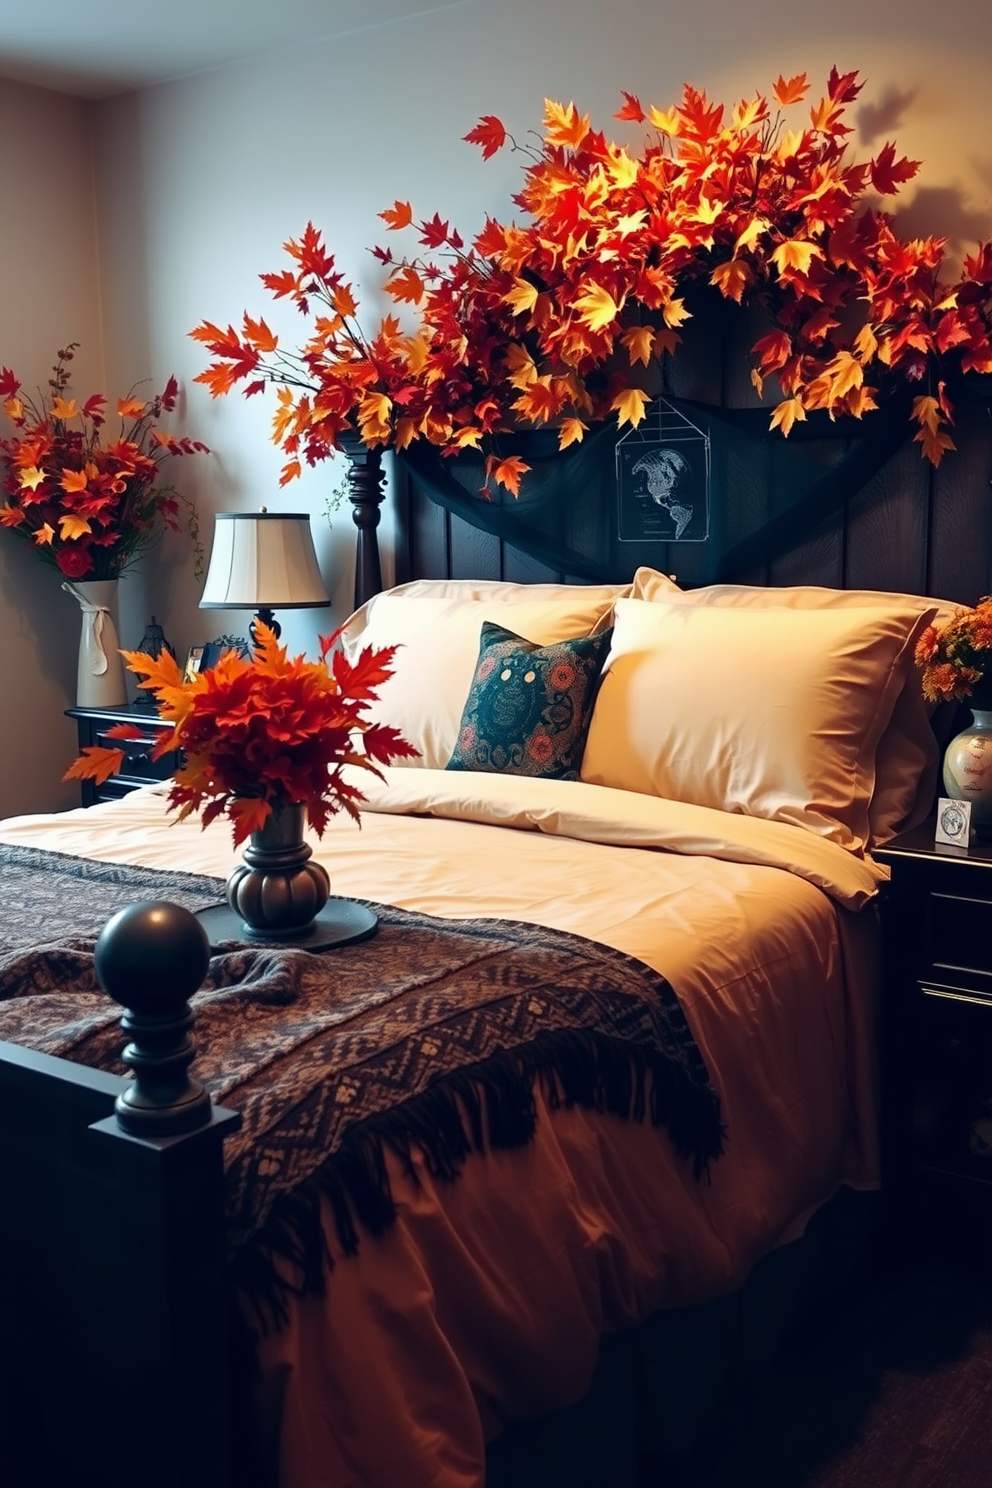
(937, 1021)
(138, 767)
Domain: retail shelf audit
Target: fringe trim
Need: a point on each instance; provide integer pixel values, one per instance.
(485, 1107)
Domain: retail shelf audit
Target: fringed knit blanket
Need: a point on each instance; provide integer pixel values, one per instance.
(428, 1036)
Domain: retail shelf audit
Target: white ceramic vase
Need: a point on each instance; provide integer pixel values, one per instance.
(100, 679)
(968, 767)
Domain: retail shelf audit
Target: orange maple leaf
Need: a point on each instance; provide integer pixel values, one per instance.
(400, 214)
(631, 109)
(790, 90)
(597, 307)
(564, 126)
(732, 278)
(631, 406)
(571, 431)
(507, 472)
(785, 414)
(406, 285)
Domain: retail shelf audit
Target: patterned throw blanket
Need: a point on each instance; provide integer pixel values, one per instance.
(427, 1037)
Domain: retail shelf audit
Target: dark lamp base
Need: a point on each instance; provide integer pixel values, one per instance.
(340, 922)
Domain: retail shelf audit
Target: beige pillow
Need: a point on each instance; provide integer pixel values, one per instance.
(755, 710)
(908, 757)
(436, 626)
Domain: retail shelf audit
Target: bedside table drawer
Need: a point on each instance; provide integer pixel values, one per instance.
(137, 764)
(958, 944)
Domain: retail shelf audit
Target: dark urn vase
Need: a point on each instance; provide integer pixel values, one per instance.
(279, 889)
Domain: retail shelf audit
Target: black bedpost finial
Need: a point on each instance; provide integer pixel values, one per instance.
(365, 477)
(151, 958)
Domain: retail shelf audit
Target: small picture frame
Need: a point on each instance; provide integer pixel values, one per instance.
(194, 661)
(214, 650)
(953, 822)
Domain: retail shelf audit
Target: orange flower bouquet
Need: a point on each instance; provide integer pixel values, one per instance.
(957, 659)
(89, 502)
(261, 733)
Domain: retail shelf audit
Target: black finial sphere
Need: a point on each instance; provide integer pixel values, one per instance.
(152, 956)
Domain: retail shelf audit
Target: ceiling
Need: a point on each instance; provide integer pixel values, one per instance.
(95, 48)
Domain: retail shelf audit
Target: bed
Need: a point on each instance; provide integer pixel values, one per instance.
(742, 751)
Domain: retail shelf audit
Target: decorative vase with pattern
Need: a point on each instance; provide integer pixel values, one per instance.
(968, 767)
(100, 671)
(279, 888)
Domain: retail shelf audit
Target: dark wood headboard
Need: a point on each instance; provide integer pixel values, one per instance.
(901, 525)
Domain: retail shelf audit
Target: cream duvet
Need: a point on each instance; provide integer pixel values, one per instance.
(486, 1300)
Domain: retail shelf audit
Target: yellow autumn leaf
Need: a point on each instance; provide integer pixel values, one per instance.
(597, 307)
(31, 478)
(669, 123)
(405, 432)
(866, 343)
(745, 112)
(732, 279)
(564, 126)
(796, 254)
(622, 168)
(373, 416)
(788, 145)
(130, 408)
(632, 223)
(520, 366)
(749, 237)
(757, 381)
(785, 414)
(845, 372)
(45, 535)
(675, 313)
(62, 409)
(926, 411)
(935, 443)
(14, 409)
(639, 341)
(468, 437)
(73, 480)
(571, 431)
(416, 350)
(71, 526)
(521, 297)
(631, 406)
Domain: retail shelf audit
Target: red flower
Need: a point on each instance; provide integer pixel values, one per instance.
(75, 560)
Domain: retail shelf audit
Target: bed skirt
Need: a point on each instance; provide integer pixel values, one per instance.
(656, 1387)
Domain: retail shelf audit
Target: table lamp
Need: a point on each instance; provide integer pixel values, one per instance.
(263, 561)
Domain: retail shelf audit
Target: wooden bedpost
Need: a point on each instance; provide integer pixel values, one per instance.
(365, 478)
(116, 1348)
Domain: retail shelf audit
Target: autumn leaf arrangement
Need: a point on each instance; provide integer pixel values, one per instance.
(89, 498)
(566, 317)
(957, 658)
(261, 732)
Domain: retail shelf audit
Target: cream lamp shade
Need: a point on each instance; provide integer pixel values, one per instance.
(263, 561)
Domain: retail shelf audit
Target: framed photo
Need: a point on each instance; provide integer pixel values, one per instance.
(194, 661)
(214, 650)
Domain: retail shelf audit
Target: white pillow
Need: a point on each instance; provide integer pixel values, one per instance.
(765, 711)
(438, 639)
(908, 757)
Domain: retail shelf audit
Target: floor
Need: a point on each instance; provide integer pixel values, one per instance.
(889, 1386)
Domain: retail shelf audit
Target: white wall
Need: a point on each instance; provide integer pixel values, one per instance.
(49, 295)
(199, 182)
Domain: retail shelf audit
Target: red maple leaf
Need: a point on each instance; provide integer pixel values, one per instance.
(489, 134)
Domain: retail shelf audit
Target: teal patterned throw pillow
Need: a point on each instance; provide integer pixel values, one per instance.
(529, 707)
